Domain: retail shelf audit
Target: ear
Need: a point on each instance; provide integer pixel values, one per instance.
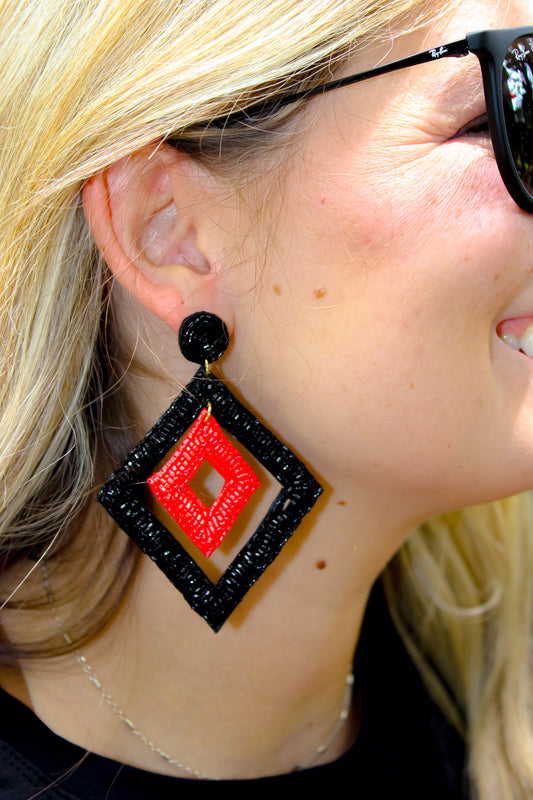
(149, 216)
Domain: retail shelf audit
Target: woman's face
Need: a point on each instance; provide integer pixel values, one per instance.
(386, 260)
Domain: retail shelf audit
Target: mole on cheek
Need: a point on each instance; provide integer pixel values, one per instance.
(321, 564)
(318, 293)
(276, 289)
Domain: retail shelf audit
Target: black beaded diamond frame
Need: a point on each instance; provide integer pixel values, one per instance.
(124, 497)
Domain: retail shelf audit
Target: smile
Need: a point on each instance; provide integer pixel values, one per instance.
(518, 334)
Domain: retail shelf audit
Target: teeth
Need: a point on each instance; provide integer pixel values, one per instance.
(512, 340)
(526, 341)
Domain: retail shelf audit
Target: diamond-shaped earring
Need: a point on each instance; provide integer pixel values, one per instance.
(198, 417)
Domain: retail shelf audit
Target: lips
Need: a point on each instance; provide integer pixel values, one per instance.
(518, 334)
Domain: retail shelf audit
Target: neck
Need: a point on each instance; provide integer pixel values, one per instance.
(273, 679)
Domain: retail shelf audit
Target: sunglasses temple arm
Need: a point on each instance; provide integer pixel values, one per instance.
(452, 50)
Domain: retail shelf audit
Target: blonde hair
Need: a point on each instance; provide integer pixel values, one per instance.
(461, 592)
(84, 83)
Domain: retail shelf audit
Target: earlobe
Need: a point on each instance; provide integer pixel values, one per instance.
(144, 213)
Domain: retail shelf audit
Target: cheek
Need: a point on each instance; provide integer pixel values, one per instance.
(371, 338)
(364, 272)
(413, 256)
(412, 211)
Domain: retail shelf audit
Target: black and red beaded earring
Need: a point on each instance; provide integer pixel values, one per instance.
(200, 414)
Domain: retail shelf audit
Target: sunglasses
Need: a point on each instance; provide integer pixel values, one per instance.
(506, 58)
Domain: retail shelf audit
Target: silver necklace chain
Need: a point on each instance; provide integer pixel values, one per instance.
(147, 742)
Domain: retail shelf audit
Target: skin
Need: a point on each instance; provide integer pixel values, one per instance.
(364, 296)
(418, 253)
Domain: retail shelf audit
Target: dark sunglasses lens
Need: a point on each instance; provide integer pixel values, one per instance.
(517, 85)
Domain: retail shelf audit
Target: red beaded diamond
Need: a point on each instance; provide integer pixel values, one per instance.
(205, 441)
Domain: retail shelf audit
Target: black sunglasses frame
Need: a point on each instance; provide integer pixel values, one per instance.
(490, 47)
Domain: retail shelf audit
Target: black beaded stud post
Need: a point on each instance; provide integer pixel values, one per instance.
(204, 338)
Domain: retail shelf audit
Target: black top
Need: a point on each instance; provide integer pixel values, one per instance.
(404, 748)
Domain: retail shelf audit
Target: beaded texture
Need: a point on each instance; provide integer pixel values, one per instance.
(205, 527)
(124, 497)
(204, 406)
